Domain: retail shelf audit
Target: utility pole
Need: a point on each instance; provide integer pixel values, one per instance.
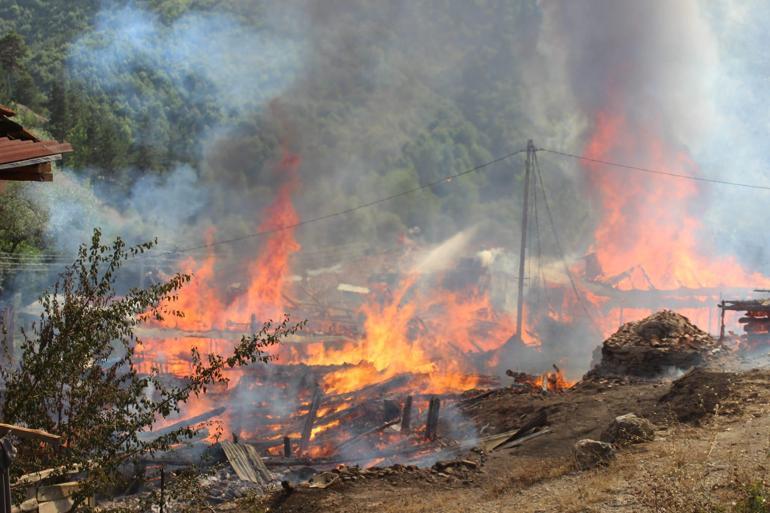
(523, 251)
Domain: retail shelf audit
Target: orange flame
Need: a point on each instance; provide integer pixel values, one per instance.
(652, 222)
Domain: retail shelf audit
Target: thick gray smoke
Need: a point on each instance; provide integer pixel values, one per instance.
(377, 97)
(688, 73)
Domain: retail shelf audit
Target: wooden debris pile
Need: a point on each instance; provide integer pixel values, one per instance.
(648, 348)
(445, 470)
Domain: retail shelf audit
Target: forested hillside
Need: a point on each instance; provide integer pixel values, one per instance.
(378, 98)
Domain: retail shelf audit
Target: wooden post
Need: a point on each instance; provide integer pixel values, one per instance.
(722, 321)
(406, 415)
(390, 410)
(253, 325)
(162, 488)
(286, 447)
(307, 429)
(523, 247)
(5, 476)
(708, 330)
(431, 428)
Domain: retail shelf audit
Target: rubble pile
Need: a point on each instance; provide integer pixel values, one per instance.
(452, 470)
(699, 394)
(659, 343)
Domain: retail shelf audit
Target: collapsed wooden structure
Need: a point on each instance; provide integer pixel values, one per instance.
(755, 319)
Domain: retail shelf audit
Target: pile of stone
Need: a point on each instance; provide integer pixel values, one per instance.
(663, 342)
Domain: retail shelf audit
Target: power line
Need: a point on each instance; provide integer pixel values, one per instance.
(347, 211)
(657, 171)
(575, 290)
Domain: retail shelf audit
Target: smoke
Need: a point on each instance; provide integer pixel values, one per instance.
(246, 66)
(654, 61)
(380, 97)
(690, 73)
(163, 206)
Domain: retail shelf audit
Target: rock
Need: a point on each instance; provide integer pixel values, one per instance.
(29, 506)
(592, 453)
(57, 506)
(629, 429)
(57, 492)
(659, 343)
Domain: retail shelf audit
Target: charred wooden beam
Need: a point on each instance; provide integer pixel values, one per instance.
(390, 410)
(286, 447)
(307, 428)
(152, 435)
(368, 432)
(539, 419)
(431, 428)
(406, 415)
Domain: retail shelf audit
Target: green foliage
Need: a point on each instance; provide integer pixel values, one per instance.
(408, 99)
(76, 375)
(22, 223)
(22, 229)
(756, 499)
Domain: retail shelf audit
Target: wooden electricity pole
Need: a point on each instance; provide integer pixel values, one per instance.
(523, 249)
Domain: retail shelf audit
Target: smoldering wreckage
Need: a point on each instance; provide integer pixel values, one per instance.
(411, 372)
(436, 439)
(298, 427)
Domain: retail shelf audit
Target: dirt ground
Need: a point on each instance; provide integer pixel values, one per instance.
(712, 440)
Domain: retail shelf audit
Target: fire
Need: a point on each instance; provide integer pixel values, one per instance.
(270, 270)
(399, 340)
(417, 334)
(653, 222)
(553, 381)
(200, 302)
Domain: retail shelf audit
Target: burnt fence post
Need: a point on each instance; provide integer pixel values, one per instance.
(431, 428)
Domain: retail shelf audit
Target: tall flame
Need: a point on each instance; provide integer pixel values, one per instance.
(653, 222)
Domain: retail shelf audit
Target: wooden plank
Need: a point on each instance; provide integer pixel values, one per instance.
(36, 477)
(368, 432)
(258, 465)
(29, 162)
(246, 462)
(152, 435)
(29, 434)
(538, 420)
(33, 173)
(307, 429)
(238, 461)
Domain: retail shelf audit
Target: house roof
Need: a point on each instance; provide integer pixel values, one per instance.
(22, 155)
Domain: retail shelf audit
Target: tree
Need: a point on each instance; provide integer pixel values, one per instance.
(13, 50)
(22, 228)
(22, 222)
(76, 375)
